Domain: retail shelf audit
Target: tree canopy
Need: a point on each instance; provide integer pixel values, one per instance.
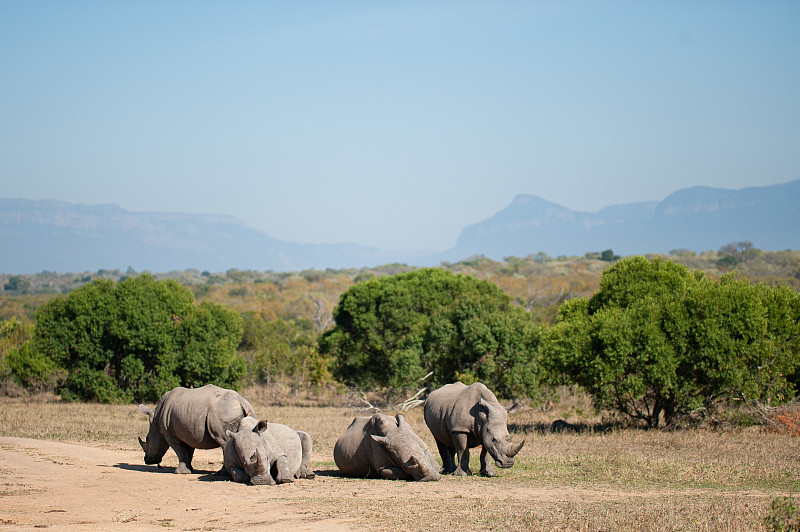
(133, 340)
(394, 330)
(658, 339)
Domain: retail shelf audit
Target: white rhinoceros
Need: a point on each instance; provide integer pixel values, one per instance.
(267, 453)
(461, 417)
(191, 418)
(382, 446)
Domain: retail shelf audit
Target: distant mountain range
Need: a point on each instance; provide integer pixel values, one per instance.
(65, 237)
(697, 218)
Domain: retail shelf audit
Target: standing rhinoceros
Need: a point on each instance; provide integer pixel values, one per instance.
(382, 446)
(267, 453)
(188, 419)
(461, 417)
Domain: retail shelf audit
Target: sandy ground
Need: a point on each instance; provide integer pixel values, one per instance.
(61, 486)
(76, 487)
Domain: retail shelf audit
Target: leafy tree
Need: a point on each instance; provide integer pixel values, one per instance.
(658, 339)
(735, 253)
(393, 330)
(207, 339)
(609, 256)
(135, 340)
(20, 363)
(17, 283)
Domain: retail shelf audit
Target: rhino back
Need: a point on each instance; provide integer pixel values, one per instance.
(200, 416)
(287, 440)
(450, 409)
(352, 452)
(226, 409)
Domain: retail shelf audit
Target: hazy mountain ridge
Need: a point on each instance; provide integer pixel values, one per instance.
(60, 236)
(697, 218)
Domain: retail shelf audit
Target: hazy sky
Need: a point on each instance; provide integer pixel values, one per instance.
(392, 124)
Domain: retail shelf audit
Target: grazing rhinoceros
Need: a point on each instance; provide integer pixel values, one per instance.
(267, 453)
(382, 446)
(461, 417)
(188, 419)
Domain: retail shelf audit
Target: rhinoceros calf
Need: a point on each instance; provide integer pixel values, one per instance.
(382, 446)
(461, 417)
(267, 453)
(188, 419)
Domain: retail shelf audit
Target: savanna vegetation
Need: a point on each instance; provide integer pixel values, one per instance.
(650, 338)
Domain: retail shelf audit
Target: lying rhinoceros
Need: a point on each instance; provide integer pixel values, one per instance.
(267, 453)
(188, 419)
(384, 447)
(461, 417)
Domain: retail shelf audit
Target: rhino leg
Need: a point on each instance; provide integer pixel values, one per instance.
(283, 474)
(487, 470)
(460, 441)
(305, 442)
(184, 453)
(394, 473)
(448, 455)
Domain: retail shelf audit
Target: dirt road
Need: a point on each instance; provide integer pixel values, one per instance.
(46, 484)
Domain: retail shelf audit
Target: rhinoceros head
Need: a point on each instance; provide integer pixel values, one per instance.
(408, 450)
(493, 426)
(252, 452)
(155, 446)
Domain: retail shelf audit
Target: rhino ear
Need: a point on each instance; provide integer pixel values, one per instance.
(382, 423)
(513, 408)
(146, 411)
(401, 420)
(383, 440)
(261, 427)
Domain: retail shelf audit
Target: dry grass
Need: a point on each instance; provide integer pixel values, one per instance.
(614, 480)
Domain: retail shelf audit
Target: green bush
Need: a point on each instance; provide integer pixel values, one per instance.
(132, 340)
(93, 385)
(33, 370)
(658, 339)
(393, 330)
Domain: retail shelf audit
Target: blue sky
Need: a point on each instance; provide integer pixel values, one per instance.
(392, 124)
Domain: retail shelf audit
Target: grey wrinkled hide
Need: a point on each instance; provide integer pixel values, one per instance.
(387, 447)
(461, 417)
(267, 453)
(191, 418)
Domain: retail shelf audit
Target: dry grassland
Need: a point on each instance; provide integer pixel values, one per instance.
(617, 480)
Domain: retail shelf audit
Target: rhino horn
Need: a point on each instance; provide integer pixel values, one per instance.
(260, 467)
(515, 449)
